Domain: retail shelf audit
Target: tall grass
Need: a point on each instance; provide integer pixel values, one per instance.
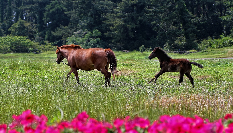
(36, 82)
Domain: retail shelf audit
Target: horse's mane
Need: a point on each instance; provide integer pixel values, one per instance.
(112, 59)
(162, 54)
(72, 46)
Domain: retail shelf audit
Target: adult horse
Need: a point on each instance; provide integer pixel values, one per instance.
(88, 59)
(167, 64)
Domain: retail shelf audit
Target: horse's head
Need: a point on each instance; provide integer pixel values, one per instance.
(60, 56)
(154, 53)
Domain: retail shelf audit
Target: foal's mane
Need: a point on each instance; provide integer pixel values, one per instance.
(162, 54)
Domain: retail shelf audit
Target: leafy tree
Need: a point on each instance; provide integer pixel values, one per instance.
(86, 39)
(54, 17)
(63, 32)
(23, 28)
(173, 24)
(130, 26)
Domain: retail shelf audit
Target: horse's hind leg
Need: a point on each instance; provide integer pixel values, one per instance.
(190, 78)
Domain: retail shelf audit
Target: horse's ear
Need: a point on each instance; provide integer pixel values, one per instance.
(58, 50)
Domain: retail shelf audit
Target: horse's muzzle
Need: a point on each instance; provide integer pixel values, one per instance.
(58, 62)
(149, 58)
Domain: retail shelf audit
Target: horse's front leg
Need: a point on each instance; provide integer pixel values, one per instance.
(74, 70)
(68, 75)
(107, 79)
(157, 75)
(107, 76)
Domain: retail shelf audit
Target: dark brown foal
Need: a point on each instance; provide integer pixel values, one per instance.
(167, 64)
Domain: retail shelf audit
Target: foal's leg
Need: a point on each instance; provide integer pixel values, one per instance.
(157, 75)
(181, 77)
(190, 78)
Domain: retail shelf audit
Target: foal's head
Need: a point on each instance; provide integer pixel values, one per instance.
(154, 53)
(159, 53)
(60, 57)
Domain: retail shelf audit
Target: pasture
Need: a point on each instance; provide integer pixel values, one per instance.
(38, 83)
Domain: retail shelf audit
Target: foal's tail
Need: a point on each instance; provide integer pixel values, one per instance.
(199, 65)
(112, 59)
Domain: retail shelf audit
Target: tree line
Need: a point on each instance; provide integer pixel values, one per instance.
(118, 24)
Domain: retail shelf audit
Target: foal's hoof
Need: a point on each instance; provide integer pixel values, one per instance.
(152, 80)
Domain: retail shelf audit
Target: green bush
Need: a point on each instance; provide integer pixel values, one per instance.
(86, 39)
(17, 44)
(216, 43)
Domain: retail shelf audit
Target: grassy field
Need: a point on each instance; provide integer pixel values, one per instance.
(36, 82)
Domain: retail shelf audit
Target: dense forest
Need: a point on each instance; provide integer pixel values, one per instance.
(118, 24)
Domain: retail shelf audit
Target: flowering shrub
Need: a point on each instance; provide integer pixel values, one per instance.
(29, 123)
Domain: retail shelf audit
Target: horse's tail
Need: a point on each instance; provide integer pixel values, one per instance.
(112, 59)
(199, 65)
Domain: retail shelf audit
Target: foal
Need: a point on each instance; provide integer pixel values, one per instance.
(167, 64)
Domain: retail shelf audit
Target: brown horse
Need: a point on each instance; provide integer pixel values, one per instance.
(167, 64)
(88, 59)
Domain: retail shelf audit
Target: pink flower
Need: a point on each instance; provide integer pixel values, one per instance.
(25, 119)
(3, 128)
(52, 130)
(28, 129)
(141, 122)
(63, 125)
(78, 125)
(13, 131)
(219, 126)
(118, 122)
(41, 127)
(229, 129)
(107, 125)
(83, 117)
(228, 116)
(164, 118)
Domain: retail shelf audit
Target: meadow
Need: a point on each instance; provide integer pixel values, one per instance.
(36, 82)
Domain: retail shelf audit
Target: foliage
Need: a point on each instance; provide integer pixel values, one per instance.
(23, 28)
(17, 44)
(54, 17)
(216, 43)
(86, 38)
(20, 44)
(82, 123)
(124, 25)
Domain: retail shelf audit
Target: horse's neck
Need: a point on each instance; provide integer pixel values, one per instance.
(66, 53)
